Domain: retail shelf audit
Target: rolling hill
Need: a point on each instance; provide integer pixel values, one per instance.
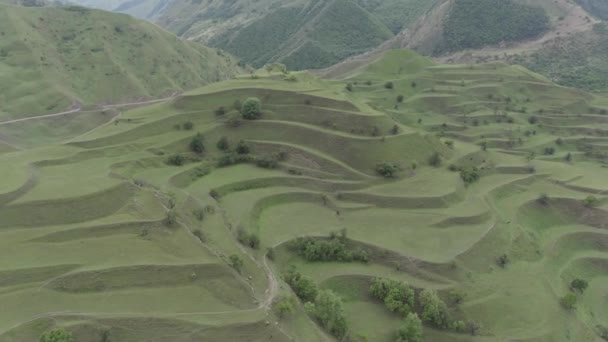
(53, 58)
(472, 195)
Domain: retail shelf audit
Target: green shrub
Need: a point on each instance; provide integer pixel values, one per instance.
(57, 335)
(590, 201)
(251, 240)
(397, 296)
(285, 305)
(267, 162)
(470, 176)
(332, 249)
(188, 126)
(200, 235)
(223, 144)
(236, 262)
(171, 218)
(242, 148)
(197, 144)
(301, 285)
(387, 170)
(568, 301)
(579, 285)
(435, 160)
(411, 330)
(434, 310)
(176, 160)
(221, 111)
(251, 109)
(327, 310)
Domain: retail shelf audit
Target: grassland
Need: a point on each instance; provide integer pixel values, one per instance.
(101, 236)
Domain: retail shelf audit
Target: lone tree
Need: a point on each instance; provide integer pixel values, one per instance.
(223, 144)
(435, 160)
(568, 301)
(590, 201)
(579, 285)
(236, 262)
(57, 335)
(543, 199)
(251, 108)
(411, 331)
(285, 306)
(242, 148)
(197, 144)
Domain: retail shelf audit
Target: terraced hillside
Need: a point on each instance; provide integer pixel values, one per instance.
(56, 59)
(184, 221)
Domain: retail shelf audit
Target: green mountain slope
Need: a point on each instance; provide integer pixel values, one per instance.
(576, 61)
(319, 34)
(598, 8)
(479, 23)
(53, 57)
(300, 33)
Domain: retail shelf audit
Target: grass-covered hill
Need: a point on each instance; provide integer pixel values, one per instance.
(466, 201)
(300, 33)
(52, 58)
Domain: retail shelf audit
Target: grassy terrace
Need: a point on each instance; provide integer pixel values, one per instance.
(101, 235)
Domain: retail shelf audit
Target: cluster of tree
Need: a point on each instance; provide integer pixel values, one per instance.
(229, 159)
(400, 298)
(302, 286)
(241, 154)
(470, 175)
(332, 249)
(327, 310)
(569, 300)
(387, 170)
(324, 306)
(474, 23)
(236, 262)
(250, 240)
(397, 296)
(411, 330)
(176, 160)
(549, 151)
(57, 335)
